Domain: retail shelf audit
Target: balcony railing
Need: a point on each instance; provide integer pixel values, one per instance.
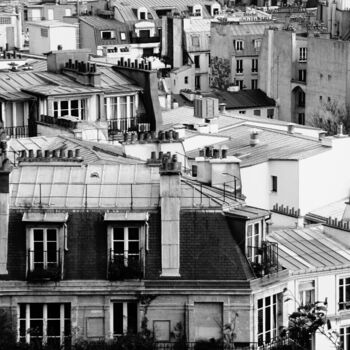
(125, 266)
(46, 270)
(17, 132)
(145, 40)
(269, 259)
(344, 305)
(61, 122)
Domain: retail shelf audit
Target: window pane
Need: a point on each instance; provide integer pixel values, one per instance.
(67, 331)
(53, 310)
(22, 310)
(36, 328)
(36, 310)
(51, 235)
(119, 233)
(51, 252)
(118, 318)
(268, 318)
(38, 252)
(22, 328)
(134, 247)
(67, 310)
(132, 317)
(38, 235)
(260, 321)
(118, 247)
(53, 327)
(133, 233)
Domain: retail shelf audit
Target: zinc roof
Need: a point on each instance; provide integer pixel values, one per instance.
(309, 249)
(246, 28)
(273, 145)
(102, 23)
(110, 186)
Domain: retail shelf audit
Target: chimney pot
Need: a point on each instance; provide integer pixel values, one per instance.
(222, 107)
(176, 135)
(70, 153)
(47, 154)
(30, 153)
(174, 159)
(254, 138)
(39, 153)
(170, 134)
(291, 128)
(160, 157)
(224, 153)
(77, 153)
(23, 154)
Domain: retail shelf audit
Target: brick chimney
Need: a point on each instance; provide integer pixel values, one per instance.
(170, 202)
(4, 203)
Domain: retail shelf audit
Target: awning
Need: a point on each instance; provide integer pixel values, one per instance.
(45, 217)
(126, 216)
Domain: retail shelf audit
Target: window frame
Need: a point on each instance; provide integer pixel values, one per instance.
(124, 318)
(345, 303)
(344, 337)
(63, 319)
(303, 290)
(111, 32)
(195, 40)
(239, 66)
(82, 108)
(252, 246)
(302, 54)
(302, 75)
(239, 45)
(273, 322)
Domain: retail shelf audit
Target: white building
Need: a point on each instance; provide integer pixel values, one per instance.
(45, 36)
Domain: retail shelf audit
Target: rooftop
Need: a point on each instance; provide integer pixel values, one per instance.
(243, 99)
(52, 24)
(273, 145)
(309, 249)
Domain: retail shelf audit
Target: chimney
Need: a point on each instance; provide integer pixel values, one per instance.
(4, 206)
(254, 138)
(346, 214)
(170, 203)
(222, 107)
(291, 128)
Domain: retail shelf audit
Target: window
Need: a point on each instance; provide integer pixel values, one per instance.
(254, 65)
(68, 12)
(270, 113)
(253, 242)
(196, 61)
(320, 98)
(301, 118)
(267, 319)
(302, 54)
(5, 20)
(241, 112)
(120, 110)
(301, 99)
(195, 40)
(144, 33)
(257, 112)
(44, 32)
(142, 15)
(197, 82)
(238, 45)
(328, 99)
(186, 80)
(307, 292)
(344, 293)
(254, 84)
(257, 44)
(124, 316)
(48, 323)
(274, 183)
(239, 82)
(107, 35)
(239, 66)
(74, 108)
(122, 36)
(344, 338)
(44, 249)
(302, 75)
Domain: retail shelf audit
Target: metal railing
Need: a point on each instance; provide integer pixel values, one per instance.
(17, 132)
(46, 270)
(344, 305)
(62, 122)
(123, 124)
(125, 266)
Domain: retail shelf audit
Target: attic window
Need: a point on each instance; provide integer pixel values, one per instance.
(107, 34)
(142, 15)
(122, 36)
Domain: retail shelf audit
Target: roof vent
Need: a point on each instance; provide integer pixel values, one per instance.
(254, 138)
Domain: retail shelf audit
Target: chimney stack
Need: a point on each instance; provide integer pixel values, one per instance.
(254, 138)
(170, 203)
(4, 205)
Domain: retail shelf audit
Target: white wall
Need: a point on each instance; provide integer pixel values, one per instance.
(325, 178)
(65, 36)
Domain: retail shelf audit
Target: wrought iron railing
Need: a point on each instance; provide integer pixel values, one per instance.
(62, 122)
(125, 266)
(123, 124)
(47, 269)
(268, 264)
(17, 132)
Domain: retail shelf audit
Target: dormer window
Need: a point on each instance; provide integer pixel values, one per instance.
(215, 9)
(142, 13)
(238, 45)
(254, 237)
(107, 34)
(197, 10)
(46, 240)
(127, 244)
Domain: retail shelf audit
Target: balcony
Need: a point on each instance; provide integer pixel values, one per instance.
(125, 266)
(145, 40)
(269, 259)
(17, 132)
(45, 270)
(65, 123)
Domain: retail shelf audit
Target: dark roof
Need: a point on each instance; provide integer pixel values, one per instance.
(243, 99)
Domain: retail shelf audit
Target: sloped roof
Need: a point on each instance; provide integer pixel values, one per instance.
(91, 152)
(244, 99)
(309, 249)
(273, 145)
